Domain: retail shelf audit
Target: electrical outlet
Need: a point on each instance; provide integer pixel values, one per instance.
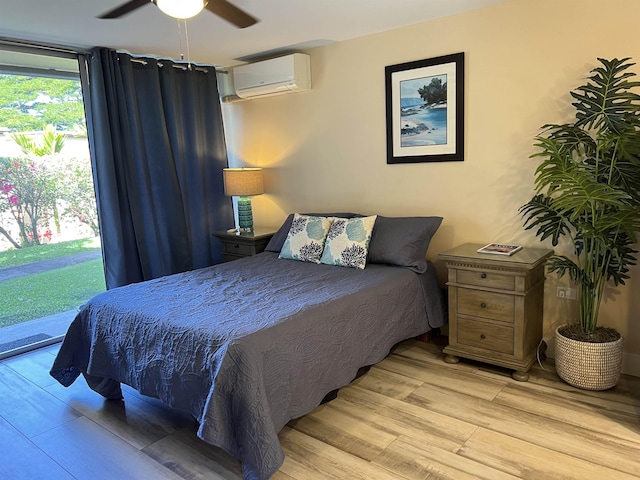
(566, 292)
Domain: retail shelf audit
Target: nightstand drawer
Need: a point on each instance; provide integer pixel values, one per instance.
(236, 248)
(486, 279)
(497, 338)
(478, 303)
(237, 245)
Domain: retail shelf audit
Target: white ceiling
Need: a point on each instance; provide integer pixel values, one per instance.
(284, 25)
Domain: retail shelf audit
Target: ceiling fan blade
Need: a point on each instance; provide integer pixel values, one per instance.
(125, 8)
(231, 13)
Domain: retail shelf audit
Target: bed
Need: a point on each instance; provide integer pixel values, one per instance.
(248, 345)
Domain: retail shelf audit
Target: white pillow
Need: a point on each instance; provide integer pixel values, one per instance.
(305, 240)
(347, 242)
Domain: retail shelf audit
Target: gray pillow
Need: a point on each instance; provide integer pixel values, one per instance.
(278, 239)
(403, 241)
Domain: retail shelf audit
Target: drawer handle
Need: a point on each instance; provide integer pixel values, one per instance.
(483, 336)
(483, 275)
(483, 305)
(236, 246)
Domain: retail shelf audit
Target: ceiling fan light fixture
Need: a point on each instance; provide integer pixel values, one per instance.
(180, 8)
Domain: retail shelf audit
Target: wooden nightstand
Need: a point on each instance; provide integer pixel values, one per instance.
(237, 245)
(495, 306)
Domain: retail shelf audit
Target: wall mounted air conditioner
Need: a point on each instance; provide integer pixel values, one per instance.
(287, 74)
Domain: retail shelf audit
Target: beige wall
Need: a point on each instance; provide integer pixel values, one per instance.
(325, 149)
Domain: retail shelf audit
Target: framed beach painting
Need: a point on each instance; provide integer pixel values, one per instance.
(425, 110)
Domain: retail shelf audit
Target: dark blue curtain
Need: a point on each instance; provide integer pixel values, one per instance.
(157, 147)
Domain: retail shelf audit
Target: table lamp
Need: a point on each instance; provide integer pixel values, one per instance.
(243, 183)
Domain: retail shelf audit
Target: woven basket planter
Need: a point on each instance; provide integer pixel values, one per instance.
(590, 366)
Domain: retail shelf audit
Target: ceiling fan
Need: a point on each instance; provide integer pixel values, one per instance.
(222, 8)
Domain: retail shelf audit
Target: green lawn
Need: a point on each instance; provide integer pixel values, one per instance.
(21, 256)
(38, 295)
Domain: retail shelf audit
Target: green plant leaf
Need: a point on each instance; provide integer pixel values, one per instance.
(605, 100)
(539, 213)
(562, 265)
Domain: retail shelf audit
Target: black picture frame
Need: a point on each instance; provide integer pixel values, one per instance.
(436, 131)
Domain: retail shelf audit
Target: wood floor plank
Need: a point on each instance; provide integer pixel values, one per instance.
(626, 395)
(559, 436)
(401, 418)
(315, 459)
(349, 433)
(20, 459)
(423, 352)
(418, 461)
(52, 349)
(431, 354)
(34, 366)
(573, 412)
(27, 407)
(90, 452)
(192, 459)
(524, 460)
(389, 384)
(297, 470)
(132, 419)
(455, 380)
(280, 475)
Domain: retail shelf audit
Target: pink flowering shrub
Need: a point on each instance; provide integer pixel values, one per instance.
(28, 191)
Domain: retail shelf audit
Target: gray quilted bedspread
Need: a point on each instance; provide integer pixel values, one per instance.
(248, 345)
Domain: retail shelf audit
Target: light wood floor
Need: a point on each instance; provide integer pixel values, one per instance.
(411, 417)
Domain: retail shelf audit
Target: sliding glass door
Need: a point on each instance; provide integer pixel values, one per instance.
(50, 256)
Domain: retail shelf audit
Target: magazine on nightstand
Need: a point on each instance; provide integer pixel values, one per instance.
(500, 249)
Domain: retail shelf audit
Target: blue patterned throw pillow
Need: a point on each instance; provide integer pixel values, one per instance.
(305, 240)
(347, 242)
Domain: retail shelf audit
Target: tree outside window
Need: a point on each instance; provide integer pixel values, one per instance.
(45, 185)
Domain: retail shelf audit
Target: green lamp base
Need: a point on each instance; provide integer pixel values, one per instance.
(245, 215)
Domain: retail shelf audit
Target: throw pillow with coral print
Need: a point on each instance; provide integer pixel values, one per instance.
(347, 242)
(305, 240)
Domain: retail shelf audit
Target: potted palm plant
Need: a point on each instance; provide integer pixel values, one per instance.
(588, 191)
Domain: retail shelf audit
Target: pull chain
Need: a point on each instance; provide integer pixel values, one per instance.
(180, 38)
(186, 36)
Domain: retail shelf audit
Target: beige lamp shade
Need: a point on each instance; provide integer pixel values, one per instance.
(243, 182)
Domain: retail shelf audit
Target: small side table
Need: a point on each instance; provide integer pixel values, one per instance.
(237, 245)
(495, 306)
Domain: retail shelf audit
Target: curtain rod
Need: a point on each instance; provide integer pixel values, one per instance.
(181, 64)
(143, 57)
